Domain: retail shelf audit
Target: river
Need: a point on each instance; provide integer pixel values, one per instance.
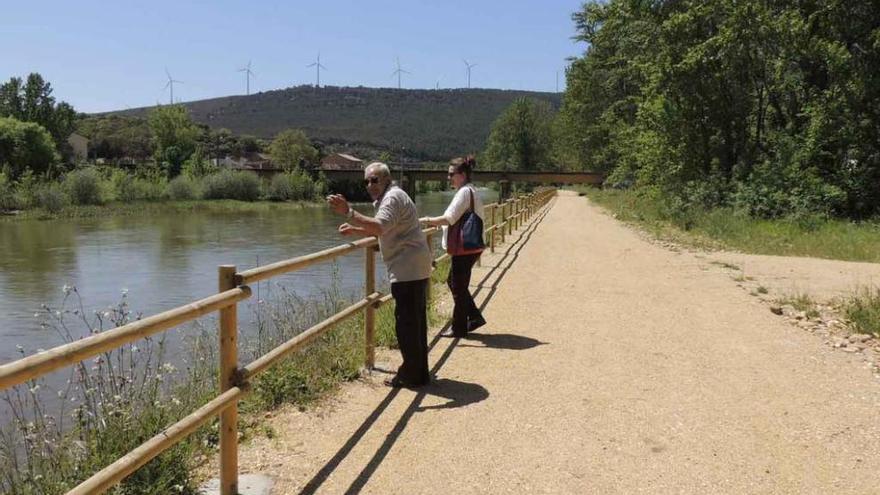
(160, 261)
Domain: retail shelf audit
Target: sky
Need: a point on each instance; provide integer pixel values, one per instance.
(112, 55)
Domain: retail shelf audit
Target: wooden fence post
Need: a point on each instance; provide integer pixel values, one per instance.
(492, 239)
(370, 311)
(228, 369)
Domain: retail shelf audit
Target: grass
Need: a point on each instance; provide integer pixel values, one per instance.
(800, 302)
(141, 208)
(863, 311)
(117, 401)
(726, 229)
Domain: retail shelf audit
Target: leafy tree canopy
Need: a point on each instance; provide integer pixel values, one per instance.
(291, 149)
(25, 146)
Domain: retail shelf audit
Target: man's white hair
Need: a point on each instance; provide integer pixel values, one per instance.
(379, 167)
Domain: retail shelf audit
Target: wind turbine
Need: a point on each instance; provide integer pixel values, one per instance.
(248, 73)
(469, 67)
(317, 65)
(398, 72)
(170, 84)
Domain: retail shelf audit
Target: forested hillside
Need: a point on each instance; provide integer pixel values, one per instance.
(426, 124)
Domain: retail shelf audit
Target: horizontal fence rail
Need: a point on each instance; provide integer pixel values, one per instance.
(503, 218)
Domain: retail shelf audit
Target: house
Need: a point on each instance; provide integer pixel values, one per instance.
(341, 161)
(250, 160)
(79, 146)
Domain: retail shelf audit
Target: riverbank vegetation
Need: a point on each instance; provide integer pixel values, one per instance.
(726, 228)
(111, 404)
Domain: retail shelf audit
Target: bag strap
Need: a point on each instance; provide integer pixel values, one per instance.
(472, 198)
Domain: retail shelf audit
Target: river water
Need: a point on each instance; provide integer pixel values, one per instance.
(161, 262)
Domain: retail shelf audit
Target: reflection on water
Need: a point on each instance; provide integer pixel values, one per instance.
(162, 262)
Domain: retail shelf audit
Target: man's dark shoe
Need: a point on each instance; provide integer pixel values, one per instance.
(397, 382)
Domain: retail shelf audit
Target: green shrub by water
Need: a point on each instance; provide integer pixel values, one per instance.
(240, 185)
(83, 187)
(182, 188)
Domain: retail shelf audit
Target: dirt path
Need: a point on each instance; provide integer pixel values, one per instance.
(609, 365)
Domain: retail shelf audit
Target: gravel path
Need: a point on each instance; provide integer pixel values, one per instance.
(609, 365)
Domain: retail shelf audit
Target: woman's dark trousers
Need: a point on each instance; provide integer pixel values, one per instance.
(466, 313)
(411, 326)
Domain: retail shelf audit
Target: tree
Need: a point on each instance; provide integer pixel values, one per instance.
(116, 136)
(772, 107)
(174, 136)
(25, 146)
(291, 149)
(33, 102)
(521, 137)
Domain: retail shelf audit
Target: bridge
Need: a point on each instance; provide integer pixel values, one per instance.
(408, 178)
(608, 365)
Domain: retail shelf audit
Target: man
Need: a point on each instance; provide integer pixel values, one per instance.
(408, 260)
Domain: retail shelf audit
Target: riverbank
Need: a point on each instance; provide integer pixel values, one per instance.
(725, 229)
(141, 208)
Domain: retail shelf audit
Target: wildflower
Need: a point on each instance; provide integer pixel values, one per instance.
(175, 401)
(36, 315)
(168, 368)
(20, 348)
(106, 314)
(124, 292)
(117, 398)
(66, 289)
(35, 389)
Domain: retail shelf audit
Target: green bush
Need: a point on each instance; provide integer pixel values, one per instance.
(182, 188)
(50, 197)
(293, 186)
(243, 186)
(25, 146)
(8, 198)
(148, 186)
(83, 187)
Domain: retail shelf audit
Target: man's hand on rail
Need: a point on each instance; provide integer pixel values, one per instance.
(348, 229)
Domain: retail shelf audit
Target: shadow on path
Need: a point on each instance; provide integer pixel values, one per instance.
(502, 341)
(459, 393)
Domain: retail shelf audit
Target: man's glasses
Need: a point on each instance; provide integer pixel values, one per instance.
(371, 180)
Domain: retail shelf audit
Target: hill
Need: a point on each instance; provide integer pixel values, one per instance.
(425, 124)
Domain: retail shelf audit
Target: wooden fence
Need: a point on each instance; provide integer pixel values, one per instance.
(501, 219)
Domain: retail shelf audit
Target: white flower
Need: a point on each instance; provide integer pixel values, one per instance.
(168, 368)
(124, 292)
(35, 389)
(66, 289)
(175, 401)
(106, 314)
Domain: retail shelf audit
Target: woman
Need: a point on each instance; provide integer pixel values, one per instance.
(466, 316)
